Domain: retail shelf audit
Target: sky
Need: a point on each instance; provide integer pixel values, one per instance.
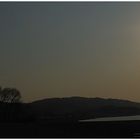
(71, 49)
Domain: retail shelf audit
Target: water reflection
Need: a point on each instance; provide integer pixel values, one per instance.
(122, 118)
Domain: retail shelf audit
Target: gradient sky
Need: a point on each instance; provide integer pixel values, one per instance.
(71, 49)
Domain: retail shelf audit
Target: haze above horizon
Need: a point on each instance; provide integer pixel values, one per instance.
(71, 49)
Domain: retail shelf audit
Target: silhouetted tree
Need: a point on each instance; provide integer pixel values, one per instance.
(10, 106)
(10, 95)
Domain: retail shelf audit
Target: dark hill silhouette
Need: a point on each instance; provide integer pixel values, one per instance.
(67, 109)
(77, 108)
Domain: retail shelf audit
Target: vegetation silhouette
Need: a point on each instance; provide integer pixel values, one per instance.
(11, 107)
(10, 95)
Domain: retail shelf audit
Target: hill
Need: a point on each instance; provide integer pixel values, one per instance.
(77, 108)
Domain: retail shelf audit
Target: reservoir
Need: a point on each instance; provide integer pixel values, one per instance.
(122, 118)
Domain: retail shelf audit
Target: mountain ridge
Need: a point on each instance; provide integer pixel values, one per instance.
(77, 108)
(89, 98)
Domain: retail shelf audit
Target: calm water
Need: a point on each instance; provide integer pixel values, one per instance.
(123, 118)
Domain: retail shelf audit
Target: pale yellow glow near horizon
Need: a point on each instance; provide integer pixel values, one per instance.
(71, 49)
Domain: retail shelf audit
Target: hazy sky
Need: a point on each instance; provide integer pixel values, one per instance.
(71, 49)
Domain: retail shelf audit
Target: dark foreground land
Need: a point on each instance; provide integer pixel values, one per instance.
(118, 129)
(68, 111)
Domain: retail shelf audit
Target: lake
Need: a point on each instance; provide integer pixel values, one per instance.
(122, 118)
